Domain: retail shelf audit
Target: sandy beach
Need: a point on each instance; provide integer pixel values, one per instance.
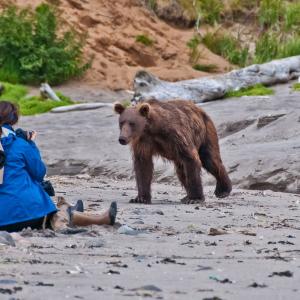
(244, 247)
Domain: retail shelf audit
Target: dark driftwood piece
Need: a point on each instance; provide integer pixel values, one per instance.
(204, 89)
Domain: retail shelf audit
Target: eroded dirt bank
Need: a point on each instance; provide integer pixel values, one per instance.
(112, 28)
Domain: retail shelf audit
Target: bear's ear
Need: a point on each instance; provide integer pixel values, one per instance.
(144, 109)
(119, 108)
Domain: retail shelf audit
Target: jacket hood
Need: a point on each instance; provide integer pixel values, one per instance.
(8, 136)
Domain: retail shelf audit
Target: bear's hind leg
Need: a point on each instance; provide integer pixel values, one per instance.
(211, 161)
(193, 185)
(183, 180)
(180, 173)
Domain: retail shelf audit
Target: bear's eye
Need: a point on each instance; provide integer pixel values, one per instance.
(121, 124)
(131, 124)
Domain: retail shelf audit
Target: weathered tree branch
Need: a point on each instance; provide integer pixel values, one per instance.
(81, 106)
(204, 89)
(47, 92)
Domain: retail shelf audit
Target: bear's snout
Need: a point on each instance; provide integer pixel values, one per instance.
(123, 141)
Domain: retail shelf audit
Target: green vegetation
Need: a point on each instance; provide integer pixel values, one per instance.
(270, 11)
(280, 37)
(266, 48)
(256, 90)
(31, 105)
(209, 10)
(13, 92)
(209, 68)
(290, 48)
(269, 47)
(277, 23)
(34, 48)
(226, 46)
(296, 87)
(144, 39)
(292, 17)
(193, 44)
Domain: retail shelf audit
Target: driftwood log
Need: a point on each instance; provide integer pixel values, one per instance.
(204, 89)
(81, 106)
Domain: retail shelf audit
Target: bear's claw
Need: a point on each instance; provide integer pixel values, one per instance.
(222, 194)
(138, 199)
(187, 200)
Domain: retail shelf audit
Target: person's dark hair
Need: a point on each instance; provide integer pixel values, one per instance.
(9, 113)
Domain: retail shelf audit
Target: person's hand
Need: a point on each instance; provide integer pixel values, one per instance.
(31, 135)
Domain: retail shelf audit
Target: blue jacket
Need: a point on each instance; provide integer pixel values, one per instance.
(21, 196)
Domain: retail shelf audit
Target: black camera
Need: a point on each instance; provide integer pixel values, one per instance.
(26, 135)
(48, 188)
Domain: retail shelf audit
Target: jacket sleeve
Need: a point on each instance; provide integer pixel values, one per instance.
(34, 164)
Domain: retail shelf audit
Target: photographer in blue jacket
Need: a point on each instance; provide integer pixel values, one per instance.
(23, 200)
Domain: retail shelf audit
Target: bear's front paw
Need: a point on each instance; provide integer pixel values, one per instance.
(187, 200)
(222, 192)
(139, 199)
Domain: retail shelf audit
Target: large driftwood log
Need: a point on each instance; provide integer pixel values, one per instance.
(204, 89)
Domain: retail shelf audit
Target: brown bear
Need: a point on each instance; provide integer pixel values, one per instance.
(178, 131)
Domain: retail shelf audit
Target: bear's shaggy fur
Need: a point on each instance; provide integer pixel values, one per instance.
(178, 131)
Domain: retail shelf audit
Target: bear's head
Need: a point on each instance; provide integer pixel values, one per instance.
(132, 121)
